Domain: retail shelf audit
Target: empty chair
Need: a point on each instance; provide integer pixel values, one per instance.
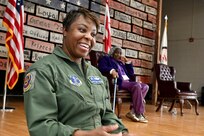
(169, 89)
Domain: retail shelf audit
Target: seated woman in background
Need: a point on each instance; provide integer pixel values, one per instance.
(119, 67)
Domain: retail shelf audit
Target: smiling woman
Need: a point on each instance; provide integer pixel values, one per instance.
(65, 95)
(79, 38)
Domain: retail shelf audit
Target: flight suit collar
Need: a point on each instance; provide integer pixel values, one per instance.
(60, 53)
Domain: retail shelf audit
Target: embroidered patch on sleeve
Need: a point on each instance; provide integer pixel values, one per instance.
(73, 79)
(29, 81)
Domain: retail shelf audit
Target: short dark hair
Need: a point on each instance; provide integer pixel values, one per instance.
(74, 14)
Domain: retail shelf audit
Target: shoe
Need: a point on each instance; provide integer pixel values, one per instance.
(141, 118)
(144, 101)
(144, 116)
(132, 116)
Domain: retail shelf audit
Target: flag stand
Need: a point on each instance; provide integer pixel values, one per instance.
(4, 108)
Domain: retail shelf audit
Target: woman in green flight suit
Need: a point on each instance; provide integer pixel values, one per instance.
(66, 96)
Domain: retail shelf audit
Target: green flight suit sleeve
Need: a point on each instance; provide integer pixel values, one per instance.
(109, 117)
(41, 105)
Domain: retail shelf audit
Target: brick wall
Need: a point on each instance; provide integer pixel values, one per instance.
(133, 24)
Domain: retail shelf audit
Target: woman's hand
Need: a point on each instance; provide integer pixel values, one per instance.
(114, 74)
(124, 59)
(100, 131)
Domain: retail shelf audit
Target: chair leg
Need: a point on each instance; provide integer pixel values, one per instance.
(187, 104)
(196, 106)
(160, 104)
(119, 106)
(181, 106)
(172, 105)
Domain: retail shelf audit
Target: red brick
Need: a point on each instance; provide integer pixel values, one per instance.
(25, 17)
(135, 13)
(144, 79)
(99, 38)
(45, 23)
(124, 26)
(137, 30)
(116, 41)
(2, 9)
(101, 19)
(3, 63)
(149, 34)
(152, 3)
(152, 18)
(117, 5)
(147, 49)
(132, 45)
(39, 45)
(146, 64)
(135, 62)
(2, 37)
(103, 2)
(114, 23)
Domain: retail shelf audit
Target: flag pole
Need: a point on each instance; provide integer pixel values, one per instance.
(5, 86)
(4, 108)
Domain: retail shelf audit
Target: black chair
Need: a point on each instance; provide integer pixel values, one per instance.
(169, 89)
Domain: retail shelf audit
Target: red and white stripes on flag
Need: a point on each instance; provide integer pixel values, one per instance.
(107, 30)
(13, 20)
(163, 49)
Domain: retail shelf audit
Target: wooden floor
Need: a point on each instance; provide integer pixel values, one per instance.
(160, 123)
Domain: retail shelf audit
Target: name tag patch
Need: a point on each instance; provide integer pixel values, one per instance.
(74, 80)
(95, 80)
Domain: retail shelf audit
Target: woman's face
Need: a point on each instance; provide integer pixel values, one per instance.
(80, 38)
(117, 54)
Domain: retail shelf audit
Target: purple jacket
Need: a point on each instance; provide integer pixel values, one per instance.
(107, 63)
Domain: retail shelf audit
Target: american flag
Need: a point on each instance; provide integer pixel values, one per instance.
(107, 30)
(13, 20)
